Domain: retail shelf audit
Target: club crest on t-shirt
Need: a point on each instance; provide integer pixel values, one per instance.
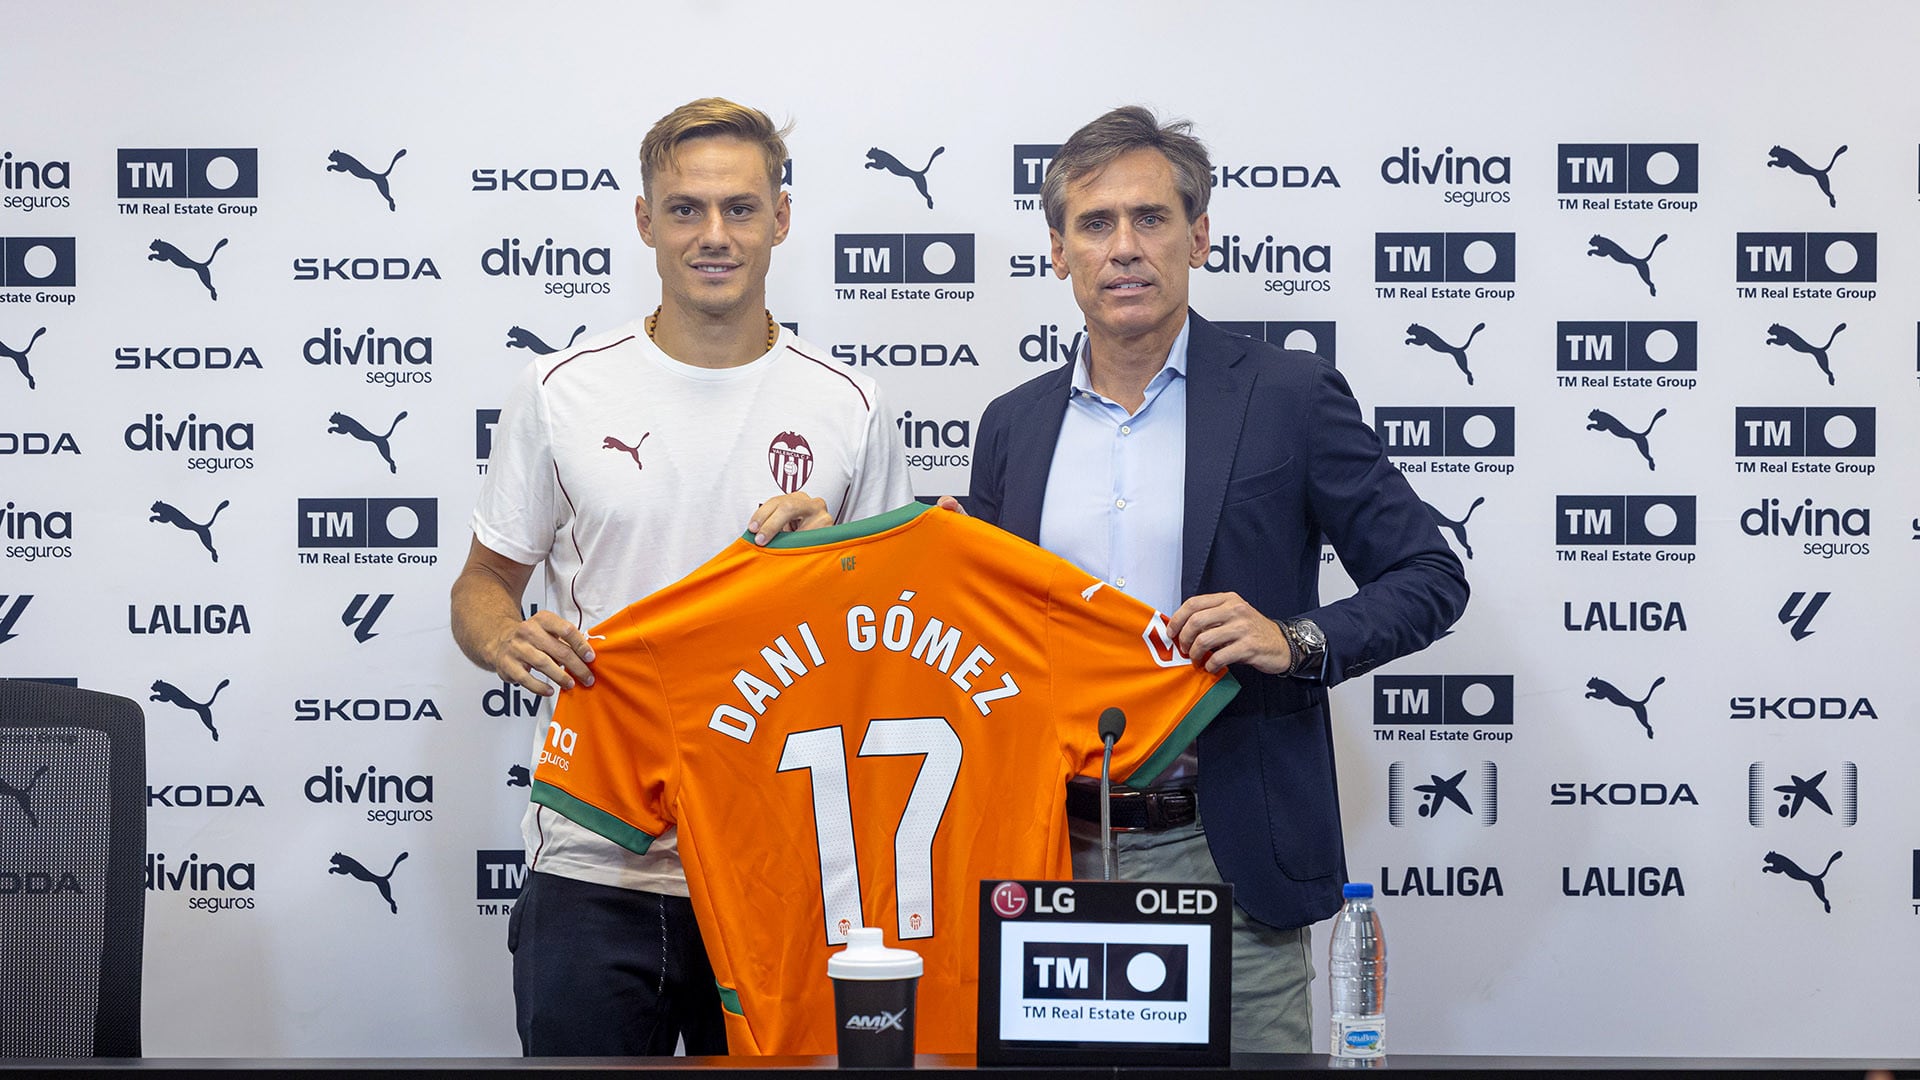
(791, 460)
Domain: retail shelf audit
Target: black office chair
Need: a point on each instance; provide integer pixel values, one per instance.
(73, 839)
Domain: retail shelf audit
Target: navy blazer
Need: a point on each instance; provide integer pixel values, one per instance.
(1277, 456)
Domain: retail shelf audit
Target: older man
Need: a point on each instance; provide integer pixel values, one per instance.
(1198, 470)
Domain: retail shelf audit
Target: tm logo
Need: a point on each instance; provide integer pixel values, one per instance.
(1459, 257)
(905, 258)
(1801, 620)
(1629, 168)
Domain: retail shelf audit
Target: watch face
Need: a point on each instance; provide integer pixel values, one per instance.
(1310, 634)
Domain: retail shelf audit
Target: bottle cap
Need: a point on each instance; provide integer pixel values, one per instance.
(1361, 889)
(868, 957)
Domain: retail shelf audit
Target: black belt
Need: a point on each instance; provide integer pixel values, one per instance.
(1134, 811)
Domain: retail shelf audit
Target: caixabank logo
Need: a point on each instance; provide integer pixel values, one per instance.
(29, 184)
(202, 444)
(1429, 438)
(375, 357)
(32, 532)
(188, 181)
(1780, 439)
(1629, 176)
(1591, 355)
(1444, 265)
(1806, 266)
(1443, 708)
(37, 270)
(903, 266)
(1030, 162)
(1314, 336)
(374, 531)
(1830, 794)
(1471, 794)
(1462, 179)
(201, 883)
(1284, 268)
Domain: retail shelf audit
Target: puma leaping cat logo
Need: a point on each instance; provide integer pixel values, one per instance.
(1782, 158)
(19, 356)
(519, 776)
(1780, 335)
(341, 161)
(169, 693)
(611, 443)
(518, 338)
(1457, 528)
(1600, 420)
(342, 424)
(1606, 691)
(1603, 246)
(350, 866)
(880, 159)
(165, 252)
(1420, 335)
(171, 515)
(1777, 863)
(20, 795)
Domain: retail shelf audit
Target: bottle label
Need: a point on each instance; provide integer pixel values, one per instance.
(1360, 1036)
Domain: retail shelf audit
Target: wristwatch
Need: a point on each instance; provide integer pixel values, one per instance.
(1307, 644)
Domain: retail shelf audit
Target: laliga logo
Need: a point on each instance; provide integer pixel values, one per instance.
(1009, 899)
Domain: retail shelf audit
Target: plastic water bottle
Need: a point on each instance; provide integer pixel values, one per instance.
(1357, 964)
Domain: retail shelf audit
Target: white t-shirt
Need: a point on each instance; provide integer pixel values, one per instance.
(622, 470)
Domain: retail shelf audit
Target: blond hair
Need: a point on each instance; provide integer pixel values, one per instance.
(712, 118)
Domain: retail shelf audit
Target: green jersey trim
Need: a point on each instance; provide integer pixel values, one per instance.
(1189, 728)
(852, 530)
(589, 816)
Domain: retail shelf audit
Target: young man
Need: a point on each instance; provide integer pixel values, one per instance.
(1197, 470)
(619, 465)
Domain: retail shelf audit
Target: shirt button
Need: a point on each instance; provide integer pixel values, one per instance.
(1126, 429)
(1120, 503)
(1121, 582)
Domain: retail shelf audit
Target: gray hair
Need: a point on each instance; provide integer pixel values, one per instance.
(1130, 127)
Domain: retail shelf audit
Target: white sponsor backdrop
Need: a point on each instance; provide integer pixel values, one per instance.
(291, 959)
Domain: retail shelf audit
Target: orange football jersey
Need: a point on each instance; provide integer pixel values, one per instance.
(855, 726)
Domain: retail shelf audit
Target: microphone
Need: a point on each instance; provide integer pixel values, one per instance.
(1113, 723)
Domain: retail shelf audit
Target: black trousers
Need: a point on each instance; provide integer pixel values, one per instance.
(605, 972)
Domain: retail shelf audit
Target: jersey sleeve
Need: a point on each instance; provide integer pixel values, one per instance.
(610, 761)
(1109, 650)
(516, 513)
(880, 480)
